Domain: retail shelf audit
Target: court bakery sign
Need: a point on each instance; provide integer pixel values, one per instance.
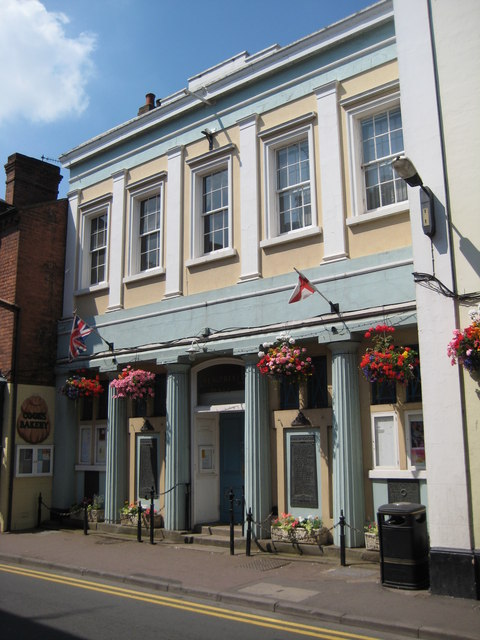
(33, 423)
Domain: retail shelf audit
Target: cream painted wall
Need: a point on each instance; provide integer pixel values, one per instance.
(27, 490)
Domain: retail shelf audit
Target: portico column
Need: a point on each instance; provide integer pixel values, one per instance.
(348, 493)
(66, 416)
(177, 447)
(116, 471)
(258, 492)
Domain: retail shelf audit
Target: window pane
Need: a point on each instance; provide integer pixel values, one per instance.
(293, 169)
(382, 139)
(25, 461)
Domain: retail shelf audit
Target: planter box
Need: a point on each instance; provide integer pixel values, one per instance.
(319, 537)
(372, 542)
(96, 515)
(132, 520)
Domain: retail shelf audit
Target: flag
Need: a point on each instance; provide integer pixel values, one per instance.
(303, 289)
(80, 330)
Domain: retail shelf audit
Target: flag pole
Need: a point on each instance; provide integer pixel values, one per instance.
(334, 306)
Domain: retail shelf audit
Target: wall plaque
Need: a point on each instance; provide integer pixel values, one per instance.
(147, 467)
(303, 472)
(33, 423)
(407, 491)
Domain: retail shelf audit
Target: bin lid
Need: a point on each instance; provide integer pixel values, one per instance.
(395, 508)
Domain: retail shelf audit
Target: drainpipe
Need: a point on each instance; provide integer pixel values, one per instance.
(13, 379)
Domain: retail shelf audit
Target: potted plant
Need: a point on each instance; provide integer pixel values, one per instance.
(464, 348)
(157, 518)
(134, 383)
(371, 537)
(308, 530)
(385, 362)
(283, 359)
(128, 513)
(80, 385)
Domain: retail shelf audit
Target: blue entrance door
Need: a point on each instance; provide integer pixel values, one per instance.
(231, 464)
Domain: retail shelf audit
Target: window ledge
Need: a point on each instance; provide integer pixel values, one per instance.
(300, 234)
(151, 273)
(90, 467)
(397, 474)
(378, 214)
(211, 257)
(94, 289)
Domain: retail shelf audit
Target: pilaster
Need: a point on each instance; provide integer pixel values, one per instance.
(257, 446)
(63, 482)
(177, 445)
(348, 492)
(116, 469)
(249, 199)
(174, 226)
(117, 233)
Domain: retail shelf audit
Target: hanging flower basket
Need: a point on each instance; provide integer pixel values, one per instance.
(80, 386)
(464, 348)
(283, 359)
(384, 362)
(134, 383)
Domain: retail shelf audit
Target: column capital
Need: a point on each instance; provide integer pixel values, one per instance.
(343, 347)
(178, 367)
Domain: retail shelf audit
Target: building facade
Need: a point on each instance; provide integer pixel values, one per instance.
(33, 225)
(186, 226)
(440, 108)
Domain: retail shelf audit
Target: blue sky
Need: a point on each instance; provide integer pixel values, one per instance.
(80, 67)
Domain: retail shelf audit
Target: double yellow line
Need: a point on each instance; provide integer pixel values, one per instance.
(186, 605)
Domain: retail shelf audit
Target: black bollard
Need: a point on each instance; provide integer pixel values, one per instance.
(152, 515)
(249, 532)
(39, 511)
(231, 497)
(342, 539)
(85, 516)
(139, 522)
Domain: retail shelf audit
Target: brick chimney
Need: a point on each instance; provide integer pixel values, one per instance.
(30, 181)
(149, 104)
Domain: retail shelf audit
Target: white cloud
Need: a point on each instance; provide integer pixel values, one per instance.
(43, 72)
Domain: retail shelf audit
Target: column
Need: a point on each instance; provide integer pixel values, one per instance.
(177, 445)
(258, 482)
(348, 491)
(174, 224)
(117, 247)
(249, 198)
(116, 481)
(331, 176)
(65, 439)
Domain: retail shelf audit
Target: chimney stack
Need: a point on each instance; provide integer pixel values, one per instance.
(30, 181)
(149, 104)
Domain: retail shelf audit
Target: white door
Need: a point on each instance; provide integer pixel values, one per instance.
(205, 493)
(148, 469)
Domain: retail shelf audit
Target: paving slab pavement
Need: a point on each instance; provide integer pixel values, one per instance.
(314, 587)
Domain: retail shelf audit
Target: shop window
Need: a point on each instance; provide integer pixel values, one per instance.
(34, 460)
(415, 439)
(317, 388)
(383, 393)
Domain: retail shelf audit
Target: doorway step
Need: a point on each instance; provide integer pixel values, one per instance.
(217, 535)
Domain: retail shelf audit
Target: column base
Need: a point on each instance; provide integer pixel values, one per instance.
(455, 572)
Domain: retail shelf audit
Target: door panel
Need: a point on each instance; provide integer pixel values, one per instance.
(205, 465)
(232, 469)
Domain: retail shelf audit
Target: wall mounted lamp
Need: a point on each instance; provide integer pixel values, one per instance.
(194, 349)
(406, 170)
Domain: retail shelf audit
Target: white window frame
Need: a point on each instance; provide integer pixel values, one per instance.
(395, 452)
(36, 459)
(89, 444)
(138, 193)
(198, 172)
(355, 115)
(88, 212)
(412, 416)
(273, 140)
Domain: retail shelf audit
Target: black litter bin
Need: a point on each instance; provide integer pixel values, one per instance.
(402, 530)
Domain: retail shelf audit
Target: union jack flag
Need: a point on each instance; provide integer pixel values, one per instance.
(80, 330)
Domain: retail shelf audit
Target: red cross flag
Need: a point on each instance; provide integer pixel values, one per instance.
(303, 289)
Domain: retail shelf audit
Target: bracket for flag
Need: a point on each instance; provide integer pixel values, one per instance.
(334, 306)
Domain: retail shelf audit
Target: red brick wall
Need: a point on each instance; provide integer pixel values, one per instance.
(40, 289)
(9, 244)
(30, 181)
